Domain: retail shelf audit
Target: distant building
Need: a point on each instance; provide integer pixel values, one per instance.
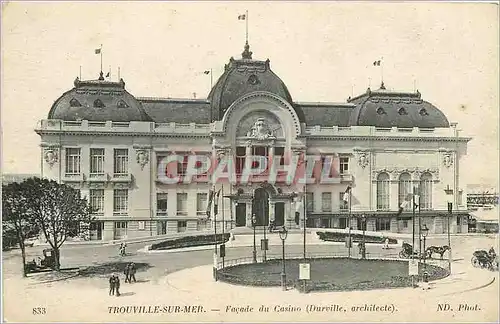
(16, 177)
(104, 141)
(480, 195)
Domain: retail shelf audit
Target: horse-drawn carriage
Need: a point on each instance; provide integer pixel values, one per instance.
(483, 259)
(408, 252)
(48, 262)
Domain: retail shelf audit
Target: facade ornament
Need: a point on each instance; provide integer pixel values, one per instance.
(51, 157)
(363, 159)
(260, 130)
(142, 158)
(447, 160)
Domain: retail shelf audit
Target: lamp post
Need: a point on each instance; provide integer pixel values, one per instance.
(264, 228)
(424, 230)
(254, 220)
(363, 251)
(283, 234)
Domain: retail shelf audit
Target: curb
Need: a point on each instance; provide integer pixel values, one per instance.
(472, 289)
(55, 280)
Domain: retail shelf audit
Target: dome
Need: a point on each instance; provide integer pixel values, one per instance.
(98, 100)
(243, 76)
(383, 108)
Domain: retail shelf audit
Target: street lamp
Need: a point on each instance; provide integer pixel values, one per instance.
(283, 234)
(363, 250)
(424, 230)
(254, 221)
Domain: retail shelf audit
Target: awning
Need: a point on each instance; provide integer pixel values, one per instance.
(485, 215)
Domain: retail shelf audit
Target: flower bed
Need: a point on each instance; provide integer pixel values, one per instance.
(329, 274)
(341, 237)
(190, 241)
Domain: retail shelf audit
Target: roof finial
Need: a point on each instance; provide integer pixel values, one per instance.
(382, 86)
(247, 54)
(101, 76)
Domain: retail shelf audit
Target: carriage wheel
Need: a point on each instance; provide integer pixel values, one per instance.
(475, 262)
(402, 255)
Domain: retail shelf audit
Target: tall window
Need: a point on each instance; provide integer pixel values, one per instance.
(344, 165)
(96, 161)
(405, 189)
(120, 201)
(72, 161)
(240, 159)
(426, 191)
(97, 200)
(201, 203)
(121, 161)
(326, 201)
(161, 202)
(383, 224)
(182, 166)
(260, 151)
(309, 202)
(182, 204)
(383, 191)
(279, 153)
(343, 206)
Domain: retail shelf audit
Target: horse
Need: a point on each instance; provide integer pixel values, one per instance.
(436, 249)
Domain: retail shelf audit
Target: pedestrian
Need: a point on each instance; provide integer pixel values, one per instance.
(132, 270)
(386, 244)
(124, 247)
(120, 251)
(117, 285)
(126, 272)
(112, 285)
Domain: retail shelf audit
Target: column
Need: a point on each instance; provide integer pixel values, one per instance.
(394, 225)
(271, 210)
(249, 214)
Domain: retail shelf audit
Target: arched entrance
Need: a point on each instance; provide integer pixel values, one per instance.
(260, 206)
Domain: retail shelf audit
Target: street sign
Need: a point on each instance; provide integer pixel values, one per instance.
(304, 271)
(413, 267)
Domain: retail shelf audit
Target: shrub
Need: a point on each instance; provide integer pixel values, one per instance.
(340, 237)
(189, 241)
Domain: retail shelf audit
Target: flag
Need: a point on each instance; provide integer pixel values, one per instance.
(206, 72)
(416, 202)
(108, 74)
(242, 17)
(347, 193)
(98, 51)
(405, 204)
(216, 202)
(209, 204)
(376, 63)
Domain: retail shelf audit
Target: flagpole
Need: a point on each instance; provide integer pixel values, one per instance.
(80, 72)
(101, 57)
(305, 223)
(413, 220)
(349, 235)
(246, 20)
(223, 223)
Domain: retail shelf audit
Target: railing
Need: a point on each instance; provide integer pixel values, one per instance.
(393, 256)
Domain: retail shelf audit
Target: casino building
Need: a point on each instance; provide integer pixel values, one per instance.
(100, 138)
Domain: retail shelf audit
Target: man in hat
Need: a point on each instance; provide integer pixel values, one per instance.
(131, 272)
(112, 285)
(117, 284)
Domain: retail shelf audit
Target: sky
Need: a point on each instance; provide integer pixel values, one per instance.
(323, 51)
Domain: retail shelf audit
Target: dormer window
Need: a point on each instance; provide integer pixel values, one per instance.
(381, 111)
(98, 103)
(423, 112)
(402, 111)
(74, 103)
(121, 104)
(253, 79)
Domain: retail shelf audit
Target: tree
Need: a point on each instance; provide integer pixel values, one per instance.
(56, 208)
(17, 223)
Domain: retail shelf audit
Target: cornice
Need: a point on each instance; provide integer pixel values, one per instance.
(132, 134)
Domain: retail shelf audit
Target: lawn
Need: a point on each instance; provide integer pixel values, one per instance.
(329, 274)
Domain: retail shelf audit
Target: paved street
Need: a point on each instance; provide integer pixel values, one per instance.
(82, 298)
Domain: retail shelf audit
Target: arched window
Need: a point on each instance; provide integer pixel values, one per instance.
(404, 189)
(98, 103)
(426, 191)
(383, 191)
